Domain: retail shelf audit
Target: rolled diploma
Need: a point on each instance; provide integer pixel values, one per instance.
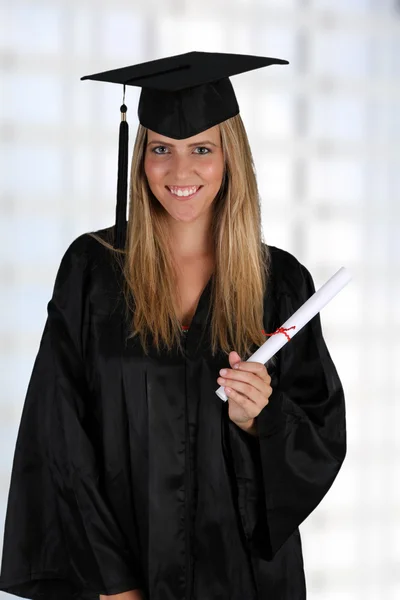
(301, 317)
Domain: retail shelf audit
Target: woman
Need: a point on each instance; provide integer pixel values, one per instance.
(131, 478)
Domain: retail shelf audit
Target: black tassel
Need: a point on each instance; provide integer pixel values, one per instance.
(122, 183)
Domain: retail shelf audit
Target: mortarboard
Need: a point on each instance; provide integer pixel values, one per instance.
(181, 96)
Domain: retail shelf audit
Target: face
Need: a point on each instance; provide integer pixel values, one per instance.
(193, 166)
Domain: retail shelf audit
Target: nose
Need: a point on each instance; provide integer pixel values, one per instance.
(181, 168)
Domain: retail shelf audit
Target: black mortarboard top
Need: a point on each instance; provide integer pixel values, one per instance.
(181, 96)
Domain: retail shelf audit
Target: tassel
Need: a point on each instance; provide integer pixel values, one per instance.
(122, 182)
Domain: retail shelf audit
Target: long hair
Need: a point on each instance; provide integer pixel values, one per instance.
(242, 261)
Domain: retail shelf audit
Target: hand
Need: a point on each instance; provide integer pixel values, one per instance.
(250, 390)
(131, 595)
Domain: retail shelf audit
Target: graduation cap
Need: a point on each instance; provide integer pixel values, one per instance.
(181, 96)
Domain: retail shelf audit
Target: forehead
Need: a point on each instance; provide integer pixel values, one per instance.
(212, 134)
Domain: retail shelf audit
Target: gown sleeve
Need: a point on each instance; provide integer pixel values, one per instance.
(61, 540)
(284, 473)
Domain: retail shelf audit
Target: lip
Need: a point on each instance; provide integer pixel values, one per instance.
(183, 197)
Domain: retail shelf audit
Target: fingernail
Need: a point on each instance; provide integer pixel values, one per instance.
(236, 366)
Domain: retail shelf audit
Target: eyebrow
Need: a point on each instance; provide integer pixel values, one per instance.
(201, 143)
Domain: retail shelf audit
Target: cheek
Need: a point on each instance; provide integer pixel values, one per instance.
(213, 171)
(154, 170)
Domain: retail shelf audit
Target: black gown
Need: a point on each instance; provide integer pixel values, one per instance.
(128, 472)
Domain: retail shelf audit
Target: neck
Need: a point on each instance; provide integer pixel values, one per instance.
(191, 241)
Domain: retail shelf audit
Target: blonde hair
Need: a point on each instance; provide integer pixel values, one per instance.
(241, 259)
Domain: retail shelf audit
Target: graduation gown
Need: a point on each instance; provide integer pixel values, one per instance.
(128, 472)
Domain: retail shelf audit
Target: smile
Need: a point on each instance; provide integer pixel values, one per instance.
(183, 193)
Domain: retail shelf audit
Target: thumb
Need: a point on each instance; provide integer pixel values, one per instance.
(233, 358)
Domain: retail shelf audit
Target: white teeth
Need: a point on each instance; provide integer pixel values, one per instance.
(186, 192)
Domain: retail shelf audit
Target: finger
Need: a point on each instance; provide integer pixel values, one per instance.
(256, 368)
(259, 397)
(249, 378)
(249, 407)
(234, 358)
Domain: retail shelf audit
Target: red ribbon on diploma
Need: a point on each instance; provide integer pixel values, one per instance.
(279, 330)
(282, 330)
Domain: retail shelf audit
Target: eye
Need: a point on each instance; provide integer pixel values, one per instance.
(203, 148)
(156, 148)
